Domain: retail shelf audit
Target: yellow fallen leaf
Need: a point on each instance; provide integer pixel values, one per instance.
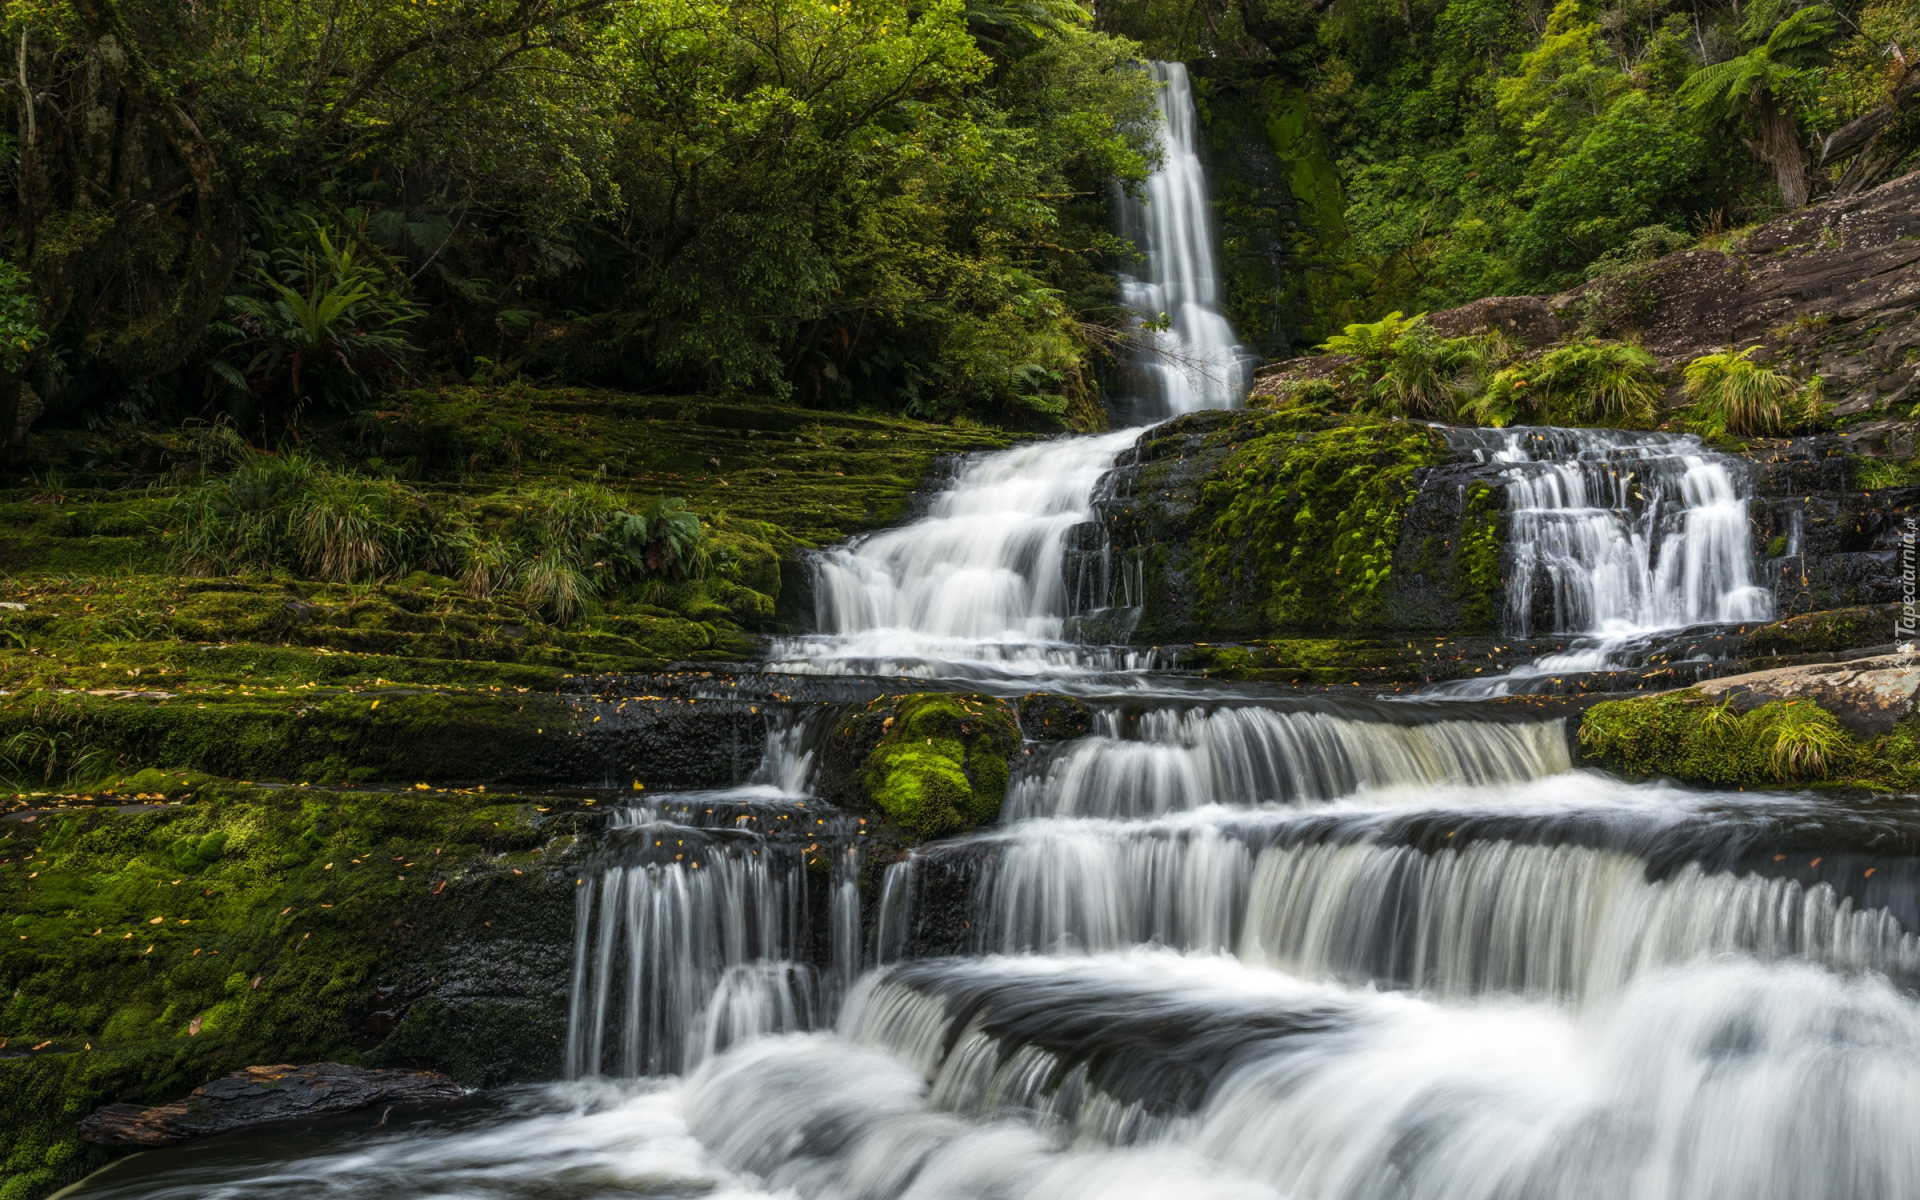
(156, 920)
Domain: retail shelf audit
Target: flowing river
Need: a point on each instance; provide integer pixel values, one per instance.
(1225, 945)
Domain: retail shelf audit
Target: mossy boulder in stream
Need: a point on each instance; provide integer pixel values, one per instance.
(936, 764)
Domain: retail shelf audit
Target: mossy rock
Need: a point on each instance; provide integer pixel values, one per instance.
(935, 764)
(1828, 632)
(942, 763)
(1785, 743)
(149, 952)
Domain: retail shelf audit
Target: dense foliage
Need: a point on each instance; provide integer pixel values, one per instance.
(276, 209)
(1493, 146)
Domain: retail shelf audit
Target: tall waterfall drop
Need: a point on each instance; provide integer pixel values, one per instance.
(974, 589)
(1196, 362)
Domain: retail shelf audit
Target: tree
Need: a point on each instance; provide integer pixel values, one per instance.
(1761, 84)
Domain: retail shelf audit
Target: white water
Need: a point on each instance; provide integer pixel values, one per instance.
(976, 588)
(1196, 362)
(1633, 534)
(1178, 759)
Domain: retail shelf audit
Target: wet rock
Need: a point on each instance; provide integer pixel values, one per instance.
(1835, 631)
(255, 1096)
(1869, 696)
(1046, 717)
(936, 764)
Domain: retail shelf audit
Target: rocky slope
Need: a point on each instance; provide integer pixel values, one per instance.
(1832, 290)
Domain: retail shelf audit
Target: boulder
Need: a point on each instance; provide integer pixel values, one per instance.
(254, 1096)
(1868, 695)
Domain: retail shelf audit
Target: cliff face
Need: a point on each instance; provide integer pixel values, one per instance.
(1290, 273)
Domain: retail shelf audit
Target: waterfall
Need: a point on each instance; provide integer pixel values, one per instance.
(976, 588)
(1173, 759)
(1616, 536)
(1195, 362)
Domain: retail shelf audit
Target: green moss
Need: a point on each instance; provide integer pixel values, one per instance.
(1477, 579)
(1303, 520)
(1825, 632)
(941, 765)
(275, 914)
(319, 735)
(1682, 735)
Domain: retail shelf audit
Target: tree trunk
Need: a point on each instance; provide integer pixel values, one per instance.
(1878, 140)
(1780, 149)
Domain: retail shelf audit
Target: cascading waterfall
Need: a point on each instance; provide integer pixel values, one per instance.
(1195, 362)
(700, 935)
(977, 587)
(1186, 758)
(1616, 535)
(1225, 946)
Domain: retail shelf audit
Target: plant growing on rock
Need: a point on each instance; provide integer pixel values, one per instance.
(1426, 375)
(1683, 736)
(1729, 393)
(1369, 343)
(1588, 383)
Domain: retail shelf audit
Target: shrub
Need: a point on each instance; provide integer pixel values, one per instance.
(1370, 343)
(1729, 393)
(1425, 374)
(1589, 383)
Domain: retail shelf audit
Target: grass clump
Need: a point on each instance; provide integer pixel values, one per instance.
(941, 765)
(1592, 382)
(556, 547)
(1404, 367)
(1730, 394)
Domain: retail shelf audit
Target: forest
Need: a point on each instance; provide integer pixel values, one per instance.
(276, 212)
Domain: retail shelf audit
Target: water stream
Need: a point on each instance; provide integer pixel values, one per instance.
(1221, 946)
(1616, 536)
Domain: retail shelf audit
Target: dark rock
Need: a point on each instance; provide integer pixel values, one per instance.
(255, 1096)
(1046, 717)
(1832, 632)
(1529, 320)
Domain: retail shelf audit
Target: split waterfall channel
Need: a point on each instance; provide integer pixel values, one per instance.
(1229, 944)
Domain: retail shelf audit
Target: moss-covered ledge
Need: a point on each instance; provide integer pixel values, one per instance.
(1689, 737)
(1255, 525)
(211, 925)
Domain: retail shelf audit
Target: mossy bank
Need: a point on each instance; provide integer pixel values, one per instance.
(182, 926)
